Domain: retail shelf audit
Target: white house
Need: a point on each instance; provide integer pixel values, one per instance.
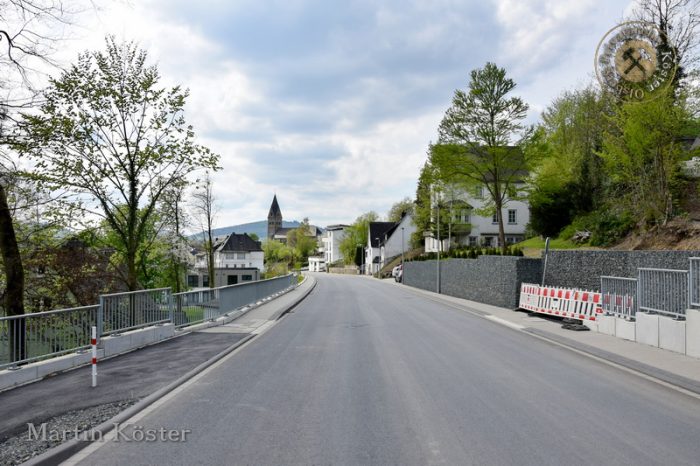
(331, 239)
(317, 264)
(466, 228)
(396, 240)
(237, 258)
(387, 240)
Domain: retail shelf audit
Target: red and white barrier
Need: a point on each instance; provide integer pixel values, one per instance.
(93, 343)
(563, 302)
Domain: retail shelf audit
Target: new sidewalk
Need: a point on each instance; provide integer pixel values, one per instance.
(674, 368)
(139, 373)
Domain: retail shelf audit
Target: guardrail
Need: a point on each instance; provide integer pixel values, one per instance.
(694, 282)
(121, 312)
(42, 335)
(619, 296)
(663, 291)
(192, 307)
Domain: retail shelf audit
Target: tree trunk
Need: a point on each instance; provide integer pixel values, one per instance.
(501, 229)
(14, 273)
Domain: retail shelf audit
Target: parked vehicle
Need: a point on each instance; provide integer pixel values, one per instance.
(398, 275)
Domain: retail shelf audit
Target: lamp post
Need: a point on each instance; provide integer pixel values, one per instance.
(379, 258)
(438, 245)
(402, 247)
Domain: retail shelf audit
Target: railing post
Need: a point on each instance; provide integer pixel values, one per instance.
(100, 318)
(171, 310)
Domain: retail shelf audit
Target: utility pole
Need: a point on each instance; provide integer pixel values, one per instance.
(439, 244)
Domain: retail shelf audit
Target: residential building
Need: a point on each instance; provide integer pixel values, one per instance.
(331, 240)
(373, 253)
(237, 259)
(463, 226)
(396, 240)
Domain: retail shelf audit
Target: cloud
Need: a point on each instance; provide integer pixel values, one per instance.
(332, 104)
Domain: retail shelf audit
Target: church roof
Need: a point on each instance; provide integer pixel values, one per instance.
(274, 208)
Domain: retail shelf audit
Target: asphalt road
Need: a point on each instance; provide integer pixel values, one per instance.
(363, 372)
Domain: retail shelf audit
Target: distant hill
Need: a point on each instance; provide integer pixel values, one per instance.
(259, 228)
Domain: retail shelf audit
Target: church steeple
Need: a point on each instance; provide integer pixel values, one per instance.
(274, 218)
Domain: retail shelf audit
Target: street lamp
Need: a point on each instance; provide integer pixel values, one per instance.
(378, 257)
(438, 245)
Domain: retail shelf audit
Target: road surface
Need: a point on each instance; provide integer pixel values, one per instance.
(367, 373)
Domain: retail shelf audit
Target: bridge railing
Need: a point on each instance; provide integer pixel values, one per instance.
(42, 335)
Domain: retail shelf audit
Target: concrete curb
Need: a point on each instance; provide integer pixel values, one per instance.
(650, 371)
(644, 370)
(296, 302)
(66, 450)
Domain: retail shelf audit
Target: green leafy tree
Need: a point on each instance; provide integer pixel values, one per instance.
(403, 207)
(302, 241)
(569, 179)
(642, 153)
(356, 237)
(476, 138)
(110, 134)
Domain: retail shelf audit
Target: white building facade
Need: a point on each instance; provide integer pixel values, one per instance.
(466, 228)
(331, 240)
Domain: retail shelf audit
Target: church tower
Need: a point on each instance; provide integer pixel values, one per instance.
(274, 218)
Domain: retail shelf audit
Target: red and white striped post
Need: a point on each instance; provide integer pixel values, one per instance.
(93, 342)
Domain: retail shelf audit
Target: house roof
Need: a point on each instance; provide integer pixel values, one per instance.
(237, 242)
(337, 227)
(379, 230)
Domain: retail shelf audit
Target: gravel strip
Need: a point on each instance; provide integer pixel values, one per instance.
(18, 449)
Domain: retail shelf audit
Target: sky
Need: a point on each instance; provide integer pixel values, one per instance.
(332, 104)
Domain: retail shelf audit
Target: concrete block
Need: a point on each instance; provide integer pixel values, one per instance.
(692, 332)
(164, 332)
(115, 344)
(606, 324)
(591, 324)
(672, 334)
(625, 329)
(11, 378)
(142, 337)
(648, 329)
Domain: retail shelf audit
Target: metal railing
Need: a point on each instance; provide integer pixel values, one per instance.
(694, 282)
(132, 310)
(193, 307)
(42, 335)
(619, 296)
(663, 291)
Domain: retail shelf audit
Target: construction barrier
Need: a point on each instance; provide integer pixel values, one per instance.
(563, 302)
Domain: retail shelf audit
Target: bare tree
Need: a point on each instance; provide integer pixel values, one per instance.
(23, 45)
(678, 22)
(205, 210)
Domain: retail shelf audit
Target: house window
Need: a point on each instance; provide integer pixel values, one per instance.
(232, 279)
(247, 278)
(192, 281)
(494, 219)
(479, 192)
(240, 255)
(473, 240)
(205, 280)
(512, 217)
(461, 216)
(488, 241)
